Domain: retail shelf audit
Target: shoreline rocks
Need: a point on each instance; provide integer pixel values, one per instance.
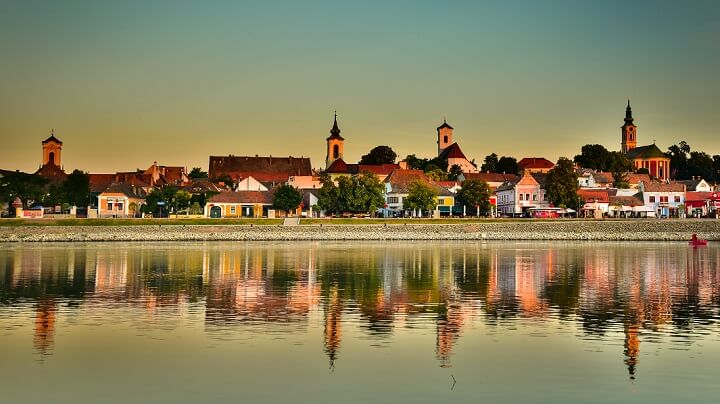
(615, 230)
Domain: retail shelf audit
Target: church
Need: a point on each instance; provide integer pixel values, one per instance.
(51, 168)
(649, 157)
(450, 151)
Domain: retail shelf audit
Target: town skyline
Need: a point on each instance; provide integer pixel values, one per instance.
(125, 84)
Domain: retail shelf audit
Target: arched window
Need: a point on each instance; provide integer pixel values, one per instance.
(51, 157)
(445, 139)
(336, 151)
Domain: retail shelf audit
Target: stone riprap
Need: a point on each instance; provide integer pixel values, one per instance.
(669, 230)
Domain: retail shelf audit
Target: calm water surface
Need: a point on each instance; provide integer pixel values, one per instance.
(359, 322)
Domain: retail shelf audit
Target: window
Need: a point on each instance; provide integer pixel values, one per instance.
(120, 206)
(232, 210)
(336, 151)
(677, 198)
(445, 139)
(651, 199)
(663, 199)
(110, 204)
(520, 197)
(527, 197)
(534, 197)
(393, 199)
(441, 201)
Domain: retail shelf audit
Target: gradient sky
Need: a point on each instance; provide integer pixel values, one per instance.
(126, 83)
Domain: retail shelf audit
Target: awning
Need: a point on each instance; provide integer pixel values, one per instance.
(642, 209)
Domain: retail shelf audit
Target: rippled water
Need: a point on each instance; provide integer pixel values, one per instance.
(359, 322)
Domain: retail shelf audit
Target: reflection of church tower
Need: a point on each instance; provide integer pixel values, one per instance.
(633, 322)
(448, 331)
(333, 314)
(335, 144)
(44, 327)
(629, 131)
(632, 348)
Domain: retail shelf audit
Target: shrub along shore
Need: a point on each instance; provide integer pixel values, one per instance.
(360, 229)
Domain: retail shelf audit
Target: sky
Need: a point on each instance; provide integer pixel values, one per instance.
(126, 83)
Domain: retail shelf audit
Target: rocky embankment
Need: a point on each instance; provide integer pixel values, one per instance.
(677, 230)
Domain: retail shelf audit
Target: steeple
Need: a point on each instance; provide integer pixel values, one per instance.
(335, 131)
(628, 131)
(628, 114)
(335, 144)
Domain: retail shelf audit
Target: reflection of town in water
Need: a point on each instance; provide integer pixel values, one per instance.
(603, 289)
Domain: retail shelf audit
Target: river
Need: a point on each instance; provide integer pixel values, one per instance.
(358, 322)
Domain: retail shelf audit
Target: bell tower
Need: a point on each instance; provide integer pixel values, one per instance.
(445, 136)
(628, 131)
(51, 148)
(335, 144)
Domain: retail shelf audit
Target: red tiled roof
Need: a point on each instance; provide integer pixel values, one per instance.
(602, 177)
(625, 201)
(261, 168)
(99, 182)
(535, 162)
(491, 177)
(702, 196)
(249, 197)
(452, 152)
(663, 187)
(52, 173)
(400, 181)
(338, 167)
(594, 195)
(377, 169)
(125, 189)
(635, 179)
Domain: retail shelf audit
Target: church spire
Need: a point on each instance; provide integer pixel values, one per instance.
(628, 114)
(335, 131)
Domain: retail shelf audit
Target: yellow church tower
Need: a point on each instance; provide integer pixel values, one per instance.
(629, 131)
(51, 148)
(335, 144)
(445, 136)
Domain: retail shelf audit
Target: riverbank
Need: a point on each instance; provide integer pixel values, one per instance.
(609, 230)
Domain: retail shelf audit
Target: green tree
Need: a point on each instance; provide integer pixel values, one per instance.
(347, 201)
(197, 172)
(594, 157)
(475, 194)
(30, 188)
(507, 165)
(700, 164)
(490, 163)
(370, 192)
(225, 180)
(454, 172)
(420, 197)
(181, 200)
(379, 155)
(561, 186)
(195, 208)
(437, 175)
(287, 198)
(716, 168)
(328, 195)
(76, 189)
(678, 154)
(133, 209)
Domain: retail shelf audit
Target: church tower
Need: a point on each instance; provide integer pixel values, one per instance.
(629, 131)
(335, 144)
(445, 136)
(51, 151)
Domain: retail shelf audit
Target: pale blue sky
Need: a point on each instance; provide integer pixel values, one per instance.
(126, 83)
